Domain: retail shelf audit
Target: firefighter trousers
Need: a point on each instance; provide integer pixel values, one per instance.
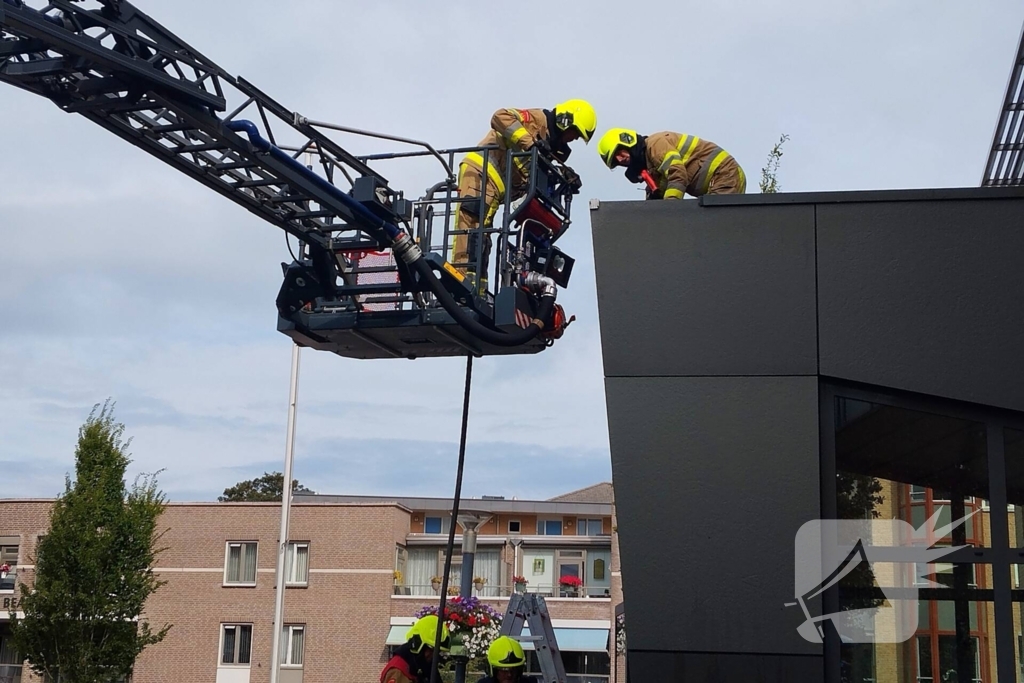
(729, 178)
(467, 214)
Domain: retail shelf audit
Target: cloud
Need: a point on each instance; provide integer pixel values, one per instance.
(122, 278)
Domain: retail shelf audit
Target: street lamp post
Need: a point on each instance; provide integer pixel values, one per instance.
(470, 522)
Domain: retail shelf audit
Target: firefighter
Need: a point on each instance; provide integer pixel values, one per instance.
(519, 130)
(506, 662)
(677, 163)
(411, 663)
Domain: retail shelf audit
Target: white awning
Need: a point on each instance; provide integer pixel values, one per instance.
(576, 639)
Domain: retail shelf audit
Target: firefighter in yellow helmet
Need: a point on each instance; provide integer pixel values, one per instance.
(411, 663)
(506, 662)
(518, 130)
(675, 163)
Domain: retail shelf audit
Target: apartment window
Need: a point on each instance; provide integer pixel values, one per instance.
(236, 644)
(297, 564)
(293, 644)
(9, 556)
(514, 526)
(240, 565)
(941, 573)
(10, 661)
(549, 527)
(590, 527)
(432, 525)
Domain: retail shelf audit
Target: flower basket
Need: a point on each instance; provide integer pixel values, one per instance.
(479, 582)
(435, 583)
(570, 585)
(5, 569)
(520, 583)
(470, 621)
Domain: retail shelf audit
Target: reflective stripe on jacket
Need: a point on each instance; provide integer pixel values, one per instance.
(515, 129)
(682, 163)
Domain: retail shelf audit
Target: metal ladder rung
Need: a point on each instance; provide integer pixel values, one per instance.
(230, 166)
(35, 68)
(170, 128)
(312, 214)
(281, 199)
(21, 46)
(259, 183)
(207, 147)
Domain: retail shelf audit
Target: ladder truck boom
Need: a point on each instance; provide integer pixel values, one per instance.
(369, 280)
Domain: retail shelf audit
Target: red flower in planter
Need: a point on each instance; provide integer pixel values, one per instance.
(471, 621)
(570, 581)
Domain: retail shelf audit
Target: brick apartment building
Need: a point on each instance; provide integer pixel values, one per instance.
(930, 655)
(358, 569)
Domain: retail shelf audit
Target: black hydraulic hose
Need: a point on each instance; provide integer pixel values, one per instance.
(547, 303)
(449, 548)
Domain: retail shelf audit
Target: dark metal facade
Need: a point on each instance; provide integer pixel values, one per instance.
(737, 333)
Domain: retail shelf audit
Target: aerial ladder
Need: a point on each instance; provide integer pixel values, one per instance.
(372, 277)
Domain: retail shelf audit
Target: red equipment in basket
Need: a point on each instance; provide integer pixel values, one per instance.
(535, 211)
(558, 323)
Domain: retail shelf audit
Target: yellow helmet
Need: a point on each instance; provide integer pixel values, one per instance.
(424, 633)
(505, 653)
(577, 114)
(614, 139)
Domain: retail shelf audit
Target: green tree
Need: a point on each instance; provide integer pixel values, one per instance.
(94, 566)
(268, 488)
(769, 181)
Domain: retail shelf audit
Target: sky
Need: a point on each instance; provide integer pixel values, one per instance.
(121, 278)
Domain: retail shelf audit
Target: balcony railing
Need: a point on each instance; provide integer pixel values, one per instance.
(547, 590)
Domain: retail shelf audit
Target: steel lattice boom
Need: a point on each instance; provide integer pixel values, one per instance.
(120, 69)
(366, 283)
(1006, 160)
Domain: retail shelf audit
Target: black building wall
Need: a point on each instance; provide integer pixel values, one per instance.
(719, 318)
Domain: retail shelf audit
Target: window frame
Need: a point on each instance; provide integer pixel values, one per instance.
(239, 625)
(517, 522)
(227, 554)
(585, 522)
(290, 564)
(542, 525)
(440, 521)
(288, 633)
(12, 576)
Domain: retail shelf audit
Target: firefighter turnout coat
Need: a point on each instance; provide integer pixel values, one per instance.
(681, 163)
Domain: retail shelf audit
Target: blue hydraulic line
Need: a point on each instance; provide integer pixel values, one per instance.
(264, 146)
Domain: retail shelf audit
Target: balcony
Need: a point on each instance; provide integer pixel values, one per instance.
(547, 590)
